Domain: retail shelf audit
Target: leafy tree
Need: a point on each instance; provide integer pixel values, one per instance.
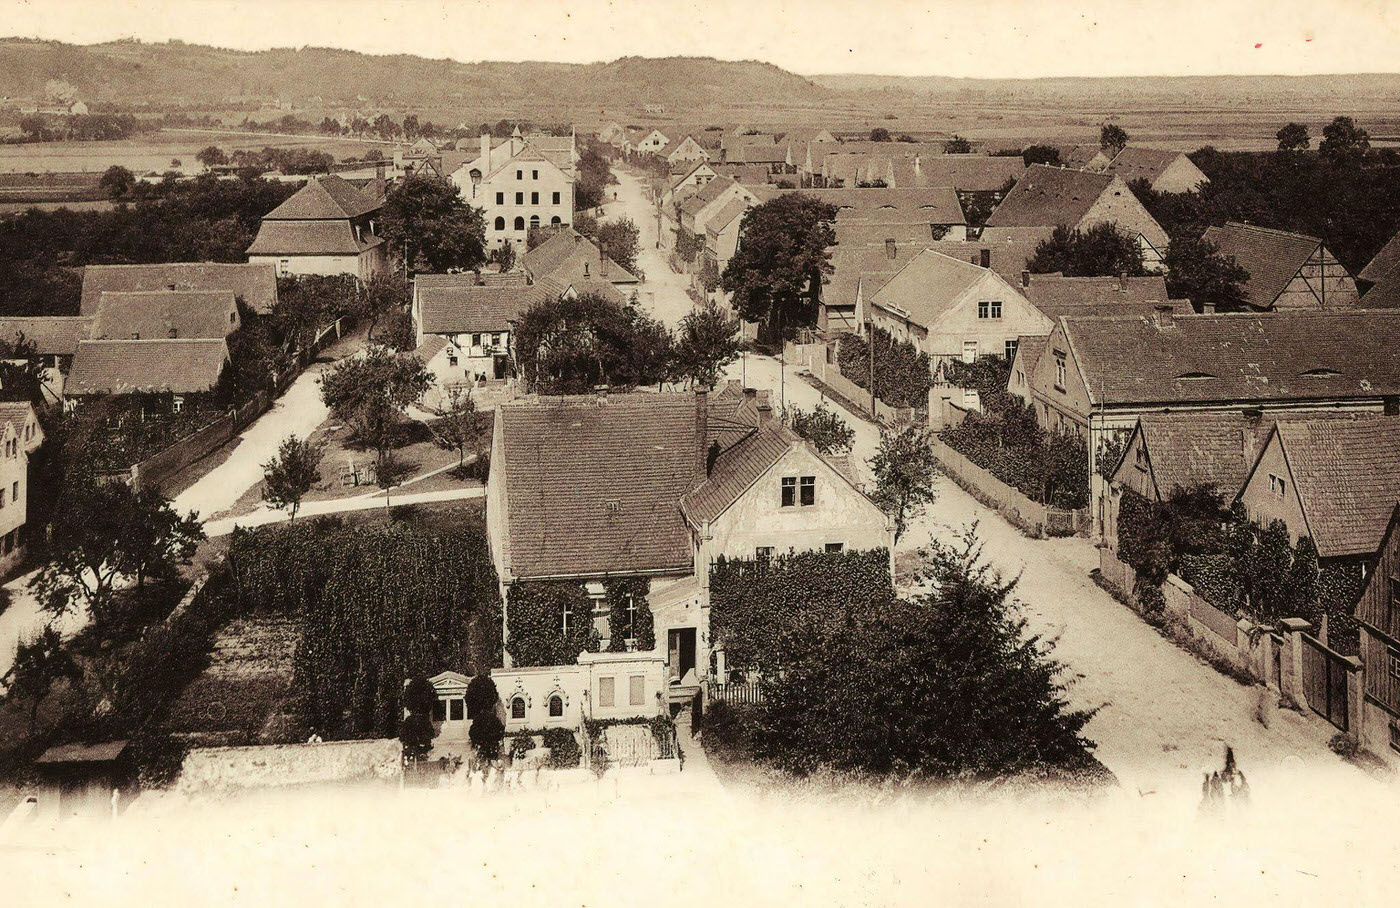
(410, 127)
(823, 427)
(784, 249)
(709, 275)
(385, 126)
(457, 427)
(307, 303)
(486, 734)
(1102, 250)
(1343, 142)
(370, 392)
(1112, 138)
(1294, 137)
(117, 181)
(570, 345)
(381, 298)
(619, 241)
(416, 730)
(879, 134)
(481, 696)
(212, 156)
(957, 145)
(904, 469)
(292, 473)
(39, 663)
(21, 370)
(1197, 271)
(1041, 154)
(503, 256)
(431, 227)
(707, 341)
(102, 531)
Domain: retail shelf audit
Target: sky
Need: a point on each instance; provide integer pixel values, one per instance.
(966, 38)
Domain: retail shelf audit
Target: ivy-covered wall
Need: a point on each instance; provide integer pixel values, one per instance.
(620, 592)
(535, 623)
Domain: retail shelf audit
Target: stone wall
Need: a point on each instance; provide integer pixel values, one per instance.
(215, 769)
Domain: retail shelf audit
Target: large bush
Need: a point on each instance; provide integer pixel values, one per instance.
(903, 375)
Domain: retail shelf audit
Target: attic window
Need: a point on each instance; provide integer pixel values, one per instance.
(1194, 376)
(1322, 373)
(613, 505)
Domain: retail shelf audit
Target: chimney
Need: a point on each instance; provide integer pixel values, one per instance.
(1249, 435)
(1208, 308)
(984, 257)
(889, 249)
(702, 430)
(1163, 318)
(485, 152)
(1025, 279)
(751, 399)
(711, 455)
(765, 413)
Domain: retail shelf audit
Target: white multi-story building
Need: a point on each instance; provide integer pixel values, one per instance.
(520, 183)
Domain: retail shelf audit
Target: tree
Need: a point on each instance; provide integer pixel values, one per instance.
(416, 730)
(569, 345)
(1197, 271)
(1101, 251)
(619, 241)
(486, 734)
(957, 145)
(431, 227)
(903, 468)
(116, 181)
(1112, 138)
(22, 370)
(385, 126)
(481, 696)
(784, 249)
(292, 473)
(102, 531)
(457, 428)
(370, 392)
(879, 134)
(707, 341)
(40, 662)
(823, 427)
(1041, 154)
(381, 298)
(410, 127)
(212, 156)
(1293, 138)
(503, 256)
(1343, 142)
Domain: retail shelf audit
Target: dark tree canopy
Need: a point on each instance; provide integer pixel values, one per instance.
(619, 241)
(784, 249)
(430, 226)
(1112, 138)
(957, 145)
(1198, 272)
(1343, 142)
(707, 342)
(1102, 250)
(1041, 154)
(879, 134)
(1293, 137)
(571, 345)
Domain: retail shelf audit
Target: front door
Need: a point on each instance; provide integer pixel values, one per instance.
(680, 650)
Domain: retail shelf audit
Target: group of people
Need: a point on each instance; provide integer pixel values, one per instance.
(1222, 785)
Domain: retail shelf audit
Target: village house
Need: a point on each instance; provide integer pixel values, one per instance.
(569, 257)
(255, 284)
(862, 262)
(1164, 171)
(180, 366)
(1378, 613)
(643, 141)
(54, 340)
(519, 186)
(21, 435)
(1286, 270)
(935, 210)
(1048, 197)
(327, 227)
(1056, 295)
(692, 177)
(1085, 157)
(656, 486)
(899, 166)
(682, 151)
(722, 235)
(696, 210)
(952, 310)
(1381, 277)
(146, 315)
(1097, 375)
(1334, 480)
(1006, 254)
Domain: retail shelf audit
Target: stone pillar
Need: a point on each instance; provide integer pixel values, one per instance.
(1356, 699)
(1291, 676)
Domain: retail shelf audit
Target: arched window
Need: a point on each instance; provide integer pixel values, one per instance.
(500, 223)
(517, 708)
(554, 221)
(519, 223)
(534, 222)
(556, 706)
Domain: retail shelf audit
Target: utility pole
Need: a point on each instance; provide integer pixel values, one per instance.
(870, 347)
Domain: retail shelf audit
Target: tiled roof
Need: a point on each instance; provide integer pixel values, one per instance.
(1050, 196)
(467, 309)
(1347, 476)
(926, 287)
(52, 335)
(735, 470)
(1386, 263)
(255, 283)
(1137, 163)
(181, 365)
(732, 211)
(310, 238)
(1272, 257)
(15, 413)
(1186, 450)
(1029, 347)
(593, 485)
(325, 198)
(965, 172)
(1081, 155)
(1008, 249)
(563, 256)
(158, 313)
(936, 205)
(1307, 355)
(869, 263)
(1057, 295)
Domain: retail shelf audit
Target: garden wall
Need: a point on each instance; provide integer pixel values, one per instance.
(1036, 520)
(217, 769)
(160, 467)
(814, 357)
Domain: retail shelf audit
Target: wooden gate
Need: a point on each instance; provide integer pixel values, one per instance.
(1325, 681)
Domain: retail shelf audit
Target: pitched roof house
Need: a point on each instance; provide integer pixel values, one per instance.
(327, 227)
(936, 209)
(1164, 171)
(177, 365)
(1382, 275)
(684, 150)
(165, 314)
(1047, 197)
(255, 283)
(1057, 295)
(1286, 270)
(20, 436)
(570, 257)
(863, 261)
(521, 184)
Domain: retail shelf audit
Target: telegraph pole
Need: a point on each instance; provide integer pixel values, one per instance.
(870, 348)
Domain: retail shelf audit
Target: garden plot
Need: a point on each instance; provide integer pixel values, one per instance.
(239, 698)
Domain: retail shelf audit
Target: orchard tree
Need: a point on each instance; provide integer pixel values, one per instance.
(619, 241)
(1293, 138)
(957, 145)
(707, 341)
(569, 345)
(1343, 142)
(39, 664)
(292, 473)
(1112, 138)
(904, 469)
(371, 392)
(1197, 271)
(776, 273)
(1101, 251)
(457, 428)
(117, 181)
(212, 156)
(384, 296)
(823, 427)
(430, 226)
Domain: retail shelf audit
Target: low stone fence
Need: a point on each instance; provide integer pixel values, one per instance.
(163, 465)
(221, 769)
(1033, 519)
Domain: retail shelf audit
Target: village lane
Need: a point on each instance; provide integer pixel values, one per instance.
(662, 295)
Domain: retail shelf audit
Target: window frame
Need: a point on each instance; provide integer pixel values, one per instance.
(788, 498)
(636, 690)
(835, 548)
(807, 491)
(523, 711)
(1009, 349)
(609, 684)
(1061, 370)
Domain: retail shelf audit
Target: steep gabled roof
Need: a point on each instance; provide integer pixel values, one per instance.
(857, 262)
(928, 286)
(732, 211)
(1008, 248)
(1272, 257)
(182, 365)
(922, 206)
(1385, 266)
(1137, 163)
(736, 470)
(1188, 449)
(165, 313)
(255, 283)
(310, 238)
(1050, 196)
(52, 335)
(469, 309)
(569, 256)
(324, 198)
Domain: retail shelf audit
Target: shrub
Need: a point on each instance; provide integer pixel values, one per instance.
(903, 375)
(486, 734)
(564, 750)
(521, 745)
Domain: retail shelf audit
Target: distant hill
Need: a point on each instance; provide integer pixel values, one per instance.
(177, 73)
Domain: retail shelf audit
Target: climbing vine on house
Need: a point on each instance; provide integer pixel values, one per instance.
(537, 633)
(622, 592)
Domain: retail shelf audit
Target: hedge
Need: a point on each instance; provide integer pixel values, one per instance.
(903, 374)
